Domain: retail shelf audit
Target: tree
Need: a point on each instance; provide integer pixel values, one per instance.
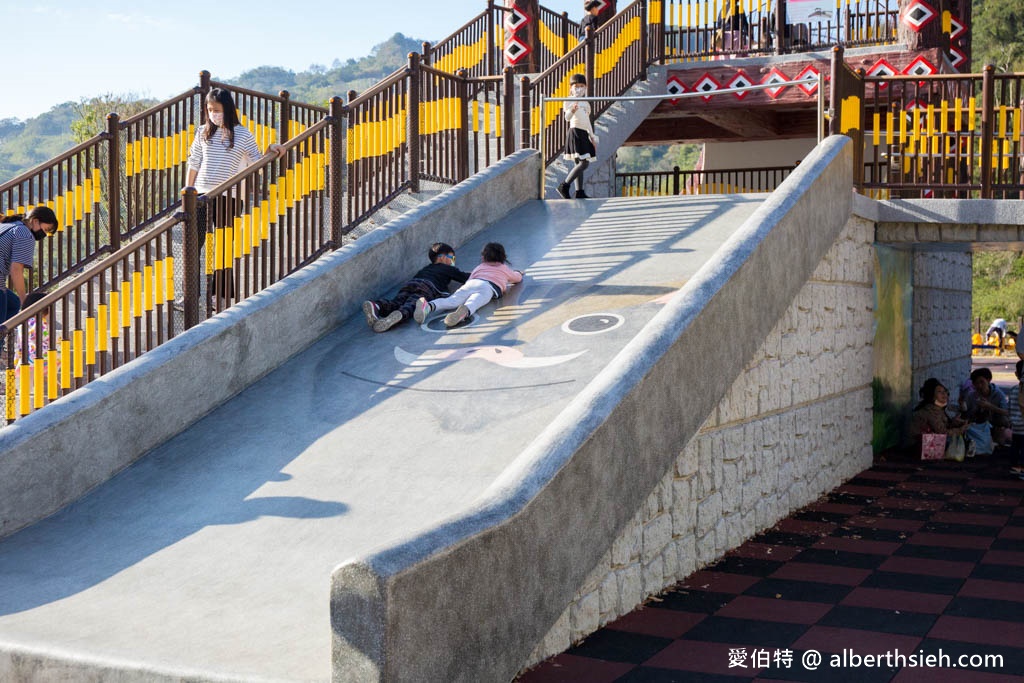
(998, 34)
(92, 112)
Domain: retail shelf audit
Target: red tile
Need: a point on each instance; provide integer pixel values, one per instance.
(1004, 557)
(666, 623)
(917, 565)
(979, 499)
(950, 541)
(911, 504)
(719, 582)
(981, 631)
(928, 487)
(926, 675)
(822, 573)
(857, 545)
(994, 590)
(571, 669)
(968, 518)
(1006, 482)
(883, 476)
(769, 609)
(837, 508)
(1014, 532)
(908, 525)
(869, 491)
(796, 526)
(763, 551)
(905, 601)
(834, 639)
(702, 656)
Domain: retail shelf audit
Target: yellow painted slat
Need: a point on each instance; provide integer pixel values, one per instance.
(115, 308)
(65, 364)
(52, 385)
(102, 328)
(77, 348)
(90, 341)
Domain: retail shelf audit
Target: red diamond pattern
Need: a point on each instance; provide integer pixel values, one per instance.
(956, 57)
(707, 84)
(808, 88)
(918, 14)
(740, 80)
(515, 51)
(775, 76)
(958, 29)
(674, 86)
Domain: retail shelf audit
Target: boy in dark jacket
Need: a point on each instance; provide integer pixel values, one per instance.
(431, 282)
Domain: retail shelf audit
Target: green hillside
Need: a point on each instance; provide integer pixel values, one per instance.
(27, 144)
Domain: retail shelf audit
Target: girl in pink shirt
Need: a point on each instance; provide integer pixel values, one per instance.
(489, 280)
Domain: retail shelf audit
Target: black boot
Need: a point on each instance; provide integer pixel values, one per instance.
(563, 189)
(580, 194)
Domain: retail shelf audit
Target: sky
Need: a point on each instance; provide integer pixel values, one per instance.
(66, 50)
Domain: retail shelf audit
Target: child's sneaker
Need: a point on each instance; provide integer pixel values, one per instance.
(456, 316)
(386, 323)
(563, 189)
(370, 311)
(423, 309)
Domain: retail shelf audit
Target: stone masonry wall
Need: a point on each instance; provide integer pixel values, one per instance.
(941, 329)
(795, 424)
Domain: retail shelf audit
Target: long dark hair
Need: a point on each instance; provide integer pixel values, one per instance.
(230, 115)
(43, 214)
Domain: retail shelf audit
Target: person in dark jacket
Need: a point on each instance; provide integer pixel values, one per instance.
(431, 282)
(592, 18)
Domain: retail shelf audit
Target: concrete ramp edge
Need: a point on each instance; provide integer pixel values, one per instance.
(469, 599)
(52, 457)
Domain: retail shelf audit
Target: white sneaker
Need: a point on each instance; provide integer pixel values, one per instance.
(423, 309)
(456, 316)
(386, 323)
(370, 311)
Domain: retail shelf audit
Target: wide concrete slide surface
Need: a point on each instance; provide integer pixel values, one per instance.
(211, 558)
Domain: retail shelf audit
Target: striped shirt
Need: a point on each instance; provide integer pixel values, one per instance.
(1016, 419)
(215, 161)
(17, 245)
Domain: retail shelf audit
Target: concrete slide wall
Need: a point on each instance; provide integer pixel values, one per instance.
(471, 599)
(50, 458)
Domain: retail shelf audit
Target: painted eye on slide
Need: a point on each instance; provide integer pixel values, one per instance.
(593, 323)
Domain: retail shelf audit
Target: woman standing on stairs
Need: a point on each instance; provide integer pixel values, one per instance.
(580, 146)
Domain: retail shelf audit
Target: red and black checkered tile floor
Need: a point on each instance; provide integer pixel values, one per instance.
(923, 558)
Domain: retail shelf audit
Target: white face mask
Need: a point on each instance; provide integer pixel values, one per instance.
(217, 118)
(578, 91)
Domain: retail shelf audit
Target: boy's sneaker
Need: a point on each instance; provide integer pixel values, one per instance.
(456, 316)
(563, 189)
(580, 194)
(386, 323)
(423, 309)
(370, 311)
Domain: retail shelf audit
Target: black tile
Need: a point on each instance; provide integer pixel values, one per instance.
(998, 572)
(882, 620)
(806, 591)
(1010, 492)
(648, 674)
(960, 529)
(1013, 545)
(750, 566)
(749, 632)
(932, 552)
(928, 479)
(984, 608)
(978, 508)
(897, 513)
(620, 646)
(1012, 658)
(840, 558)
(871, 534)
(820, 516)
(842, 498)
(912, 494)
(868, 481)
(700, 602)
(1016, 521)
(827, 673)
(785, 538)
(916, 583)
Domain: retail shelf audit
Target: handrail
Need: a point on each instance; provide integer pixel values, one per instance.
(135, 118)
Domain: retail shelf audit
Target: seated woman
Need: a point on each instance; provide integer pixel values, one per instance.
(930, 416)
(990, 415)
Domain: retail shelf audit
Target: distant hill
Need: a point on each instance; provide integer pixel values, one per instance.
(27, 144)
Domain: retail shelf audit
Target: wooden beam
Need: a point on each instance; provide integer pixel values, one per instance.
(744, 124)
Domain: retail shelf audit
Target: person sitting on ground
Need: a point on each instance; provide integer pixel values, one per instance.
(991, 417)
(930, 417)
(431, 282)
(489, 280)
(1014, 397)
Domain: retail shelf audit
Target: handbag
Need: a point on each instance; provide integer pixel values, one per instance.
(956, 449)
(933, 446)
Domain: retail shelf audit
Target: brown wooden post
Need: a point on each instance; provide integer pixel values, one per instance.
(286, 116)
(190, 278)
(988, 97)
(412, 132)
(524, 115)
(425, 55)
(508, 110)
(337, 169)
(567, 40)
(644, 39)
(526, 59)
(114, 179)
(204, 90)
(462, 139)
(350, 172)
(590, 50)
(780, 28)
(836, 90)
(675, 180)
(492, 57)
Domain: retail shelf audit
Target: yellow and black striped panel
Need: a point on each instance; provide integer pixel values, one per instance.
(463, 56)
(376, 136)
(157, 153)
(72, 205)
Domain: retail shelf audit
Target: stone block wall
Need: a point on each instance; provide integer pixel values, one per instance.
(795, 424)
(941, 331)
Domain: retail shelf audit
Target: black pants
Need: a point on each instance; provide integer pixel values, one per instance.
(405, 300)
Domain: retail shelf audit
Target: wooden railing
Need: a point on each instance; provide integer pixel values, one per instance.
(718, 181)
